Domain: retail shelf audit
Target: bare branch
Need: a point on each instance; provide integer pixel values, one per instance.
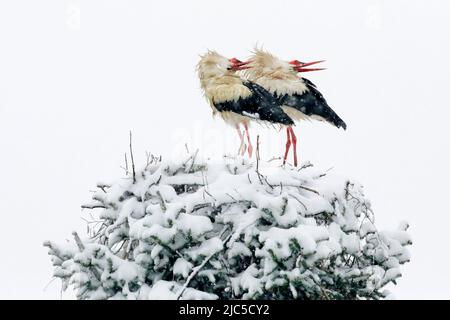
(193, 161)
(257, 159)
(233, 198)
(93, 206)
(309, 189)
(274, 158)
(257, 153)
(126, 164)
(293, 196)
(209, 194)
(305, 165)
(132, 159)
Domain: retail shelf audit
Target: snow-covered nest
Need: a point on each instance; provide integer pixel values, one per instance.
(231, 230)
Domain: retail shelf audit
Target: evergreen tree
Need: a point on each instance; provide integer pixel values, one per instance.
(231, 230)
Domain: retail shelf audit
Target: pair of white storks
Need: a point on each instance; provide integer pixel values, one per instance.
(263, 89)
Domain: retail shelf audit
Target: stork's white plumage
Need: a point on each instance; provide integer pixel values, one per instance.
(298, 97)
(236, 100)
(275, 75)
(220, 83)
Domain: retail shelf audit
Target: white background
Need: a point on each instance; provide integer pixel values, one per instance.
(76, 76)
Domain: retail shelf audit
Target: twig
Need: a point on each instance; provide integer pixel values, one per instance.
(205, 184)
(103, 185)
(323, 174)
(132, 159)
(206, 180)
(231, 196)
(193, 161)
(102, 188)
(293, 196)
(257, 166)
(209, 194)
(306, 165)
(93, 206)
(257, 159)
(222, 232)
(200, 206)
(89, 222)
(148, 162)
(265, 179)
(257, 153)
(46, 286)
(126, 164)
(309, 189)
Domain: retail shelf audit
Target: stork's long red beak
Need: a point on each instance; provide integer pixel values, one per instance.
(238, 65)
(300, 66)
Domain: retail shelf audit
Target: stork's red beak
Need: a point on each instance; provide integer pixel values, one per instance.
(237, 64)
(301, 66)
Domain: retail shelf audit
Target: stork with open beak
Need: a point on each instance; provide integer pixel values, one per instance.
(298, 96)
(236, 100)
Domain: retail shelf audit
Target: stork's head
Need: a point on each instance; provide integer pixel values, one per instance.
(213, 65)
(276, 75)
(265, 64)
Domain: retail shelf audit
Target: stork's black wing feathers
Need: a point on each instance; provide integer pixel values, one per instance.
(261, 105)
(311, 103)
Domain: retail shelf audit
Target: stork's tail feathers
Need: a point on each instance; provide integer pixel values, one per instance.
(316, 104)
(326, 113)
(338, 122)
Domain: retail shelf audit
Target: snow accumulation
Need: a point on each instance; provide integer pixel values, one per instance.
(233, 229)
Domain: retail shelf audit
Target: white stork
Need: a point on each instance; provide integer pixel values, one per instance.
(298, 96)
(236, 100)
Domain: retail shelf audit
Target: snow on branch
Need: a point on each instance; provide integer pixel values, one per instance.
(231, 230)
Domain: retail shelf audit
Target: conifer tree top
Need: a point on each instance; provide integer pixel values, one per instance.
(231, 230)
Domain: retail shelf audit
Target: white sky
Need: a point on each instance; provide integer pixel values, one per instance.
(76, 75)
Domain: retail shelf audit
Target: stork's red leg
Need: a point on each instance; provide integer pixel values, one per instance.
(250, 147)
(294, 143)
(288, 144)
(241, 137)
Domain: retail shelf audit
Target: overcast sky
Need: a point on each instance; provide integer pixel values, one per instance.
(76, 76)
